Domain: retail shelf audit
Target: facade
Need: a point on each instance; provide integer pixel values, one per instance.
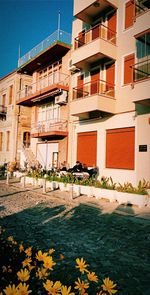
(110, 88)
(47, 97)
(14, 120)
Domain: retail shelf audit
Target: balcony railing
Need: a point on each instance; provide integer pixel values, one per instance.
(3, 110)
(141, 70)
(98, 87)
(54, 78)
(53, 125)
(98, 31)
(141, 7)
(58, 35)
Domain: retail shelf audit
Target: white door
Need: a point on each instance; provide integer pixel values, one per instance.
(45, 154)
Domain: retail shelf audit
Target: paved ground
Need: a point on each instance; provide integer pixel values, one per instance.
(115, 240)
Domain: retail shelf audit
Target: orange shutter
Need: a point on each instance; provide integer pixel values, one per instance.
(128, 72)
(95, 75)
(120, 148)
(129, 14)
(8, 141)
(87, 148)
(112, 23)
(10, 94)
(95, 32)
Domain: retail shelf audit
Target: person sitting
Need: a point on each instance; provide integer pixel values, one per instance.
(76, 168)
(84, 168)
(63, 166)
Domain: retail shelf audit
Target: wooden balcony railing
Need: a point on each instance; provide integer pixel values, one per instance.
(53, 125)
(98, 87)
(54, 78)
(98, 31)
(141, 70)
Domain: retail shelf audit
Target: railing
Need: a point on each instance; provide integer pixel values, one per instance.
(49, 126)
(58, 35)
(54, 78)
(141, 7)
(141, 70)
(3, 109)
(98, 31)
(99, 87)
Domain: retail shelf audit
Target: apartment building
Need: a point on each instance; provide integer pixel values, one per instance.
(14, 120)
(110, 88)
(46, 95)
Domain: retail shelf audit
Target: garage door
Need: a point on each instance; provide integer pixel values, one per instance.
(120, 147)
(87, 148)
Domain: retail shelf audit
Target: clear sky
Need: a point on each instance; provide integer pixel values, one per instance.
(28, 22)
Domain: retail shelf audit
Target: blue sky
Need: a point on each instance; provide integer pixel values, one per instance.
(28, 22)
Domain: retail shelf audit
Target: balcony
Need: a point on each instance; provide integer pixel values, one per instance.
(90, 9)
(94, 44)
(141, 82)
(54, 129)
(97, 96)
(142, 17)
(54, 46)
(3, 111)
(49, 86)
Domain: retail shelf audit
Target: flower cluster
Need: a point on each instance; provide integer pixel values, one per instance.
(26, 270)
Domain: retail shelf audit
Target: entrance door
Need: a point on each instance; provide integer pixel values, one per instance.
(47, 154)
(110, 79)
(112, 21)
(26, 139)
(95, 75)
(87, 148)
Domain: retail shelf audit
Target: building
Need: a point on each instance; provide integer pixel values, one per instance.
(46, 95)
(14, 120)
(110, 88)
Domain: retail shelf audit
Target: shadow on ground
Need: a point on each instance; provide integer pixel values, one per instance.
(114, 245)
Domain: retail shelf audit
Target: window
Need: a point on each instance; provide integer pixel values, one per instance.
(120, 147)
(10, 94)
(129, 14)
(8, 141)
(143, 45)
(128, 73)
(1, 141)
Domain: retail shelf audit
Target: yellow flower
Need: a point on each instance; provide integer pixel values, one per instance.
(23, 289)
(28, 251)
(81, 264)
(81, 285)
(52, 288)
(23, 275)
(31, 267)
(109, 286)
(21, 248)
(66, 291)
(51, 251)
(92, 277)
(40, 256)
(26, 262)
(10, 290)
(48, 262)
(10, 239)
(41, 273)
